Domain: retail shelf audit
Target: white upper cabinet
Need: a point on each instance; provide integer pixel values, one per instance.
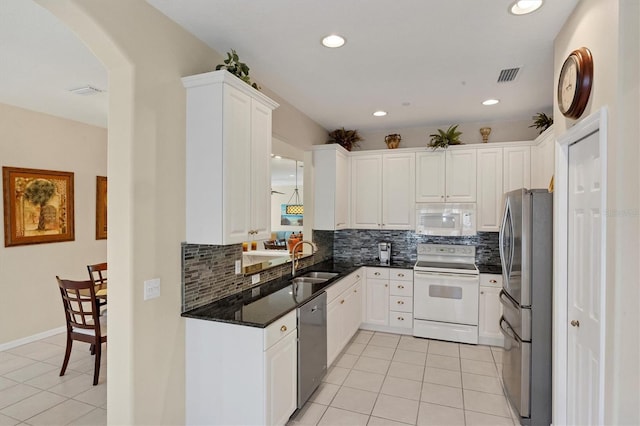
(331, 189)
(517, 168)
(382, 191)
(489, 186)
(228, 160)
(446, 176)
(543, 159)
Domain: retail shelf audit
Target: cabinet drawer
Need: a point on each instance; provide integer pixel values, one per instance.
(401, 288)
(401, 319)
(279, 329)
(491, 280)
(337, 288)
(401, 274)
(378, 273)
(401, 303)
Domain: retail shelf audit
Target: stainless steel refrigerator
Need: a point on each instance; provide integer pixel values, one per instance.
(526, 252)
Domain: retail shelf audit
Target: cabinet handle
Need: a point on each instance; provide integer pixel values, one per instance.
(493, 281)
(377, 273)
(442, 196)
(342, 301)
(358, 276)
(447, 196)
(400, 302)
(355, 291)
(400, 319)
(401, 275)
(386, 285)
(283, 328)
(482, 292)
(400, 286)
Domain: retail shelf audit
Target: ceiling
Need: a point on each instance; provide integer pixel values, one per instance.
(426, 62)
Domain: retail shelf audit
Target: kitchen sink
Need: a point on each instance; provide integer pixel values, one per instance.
(301, 280)
(323, 275)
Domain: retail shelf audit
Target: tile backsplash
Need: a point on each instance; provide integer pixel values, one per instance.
(360, 245)
(208, 271)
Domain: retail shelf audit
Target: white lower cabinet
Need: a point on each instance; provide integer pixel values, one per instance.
(344, 313)
(490, 310)
(389, 300)
(240, 375)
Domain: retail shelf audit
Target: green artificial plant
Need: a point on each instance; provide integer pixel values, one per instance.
(443, 139)
(542, 121)
(345, 138)
(237, 68)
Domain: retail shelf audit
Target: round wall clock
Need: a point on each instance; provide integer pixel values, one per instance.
(574, 83)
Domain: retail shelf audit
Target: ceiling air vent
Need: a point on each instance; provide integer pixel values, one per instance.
(508, 74)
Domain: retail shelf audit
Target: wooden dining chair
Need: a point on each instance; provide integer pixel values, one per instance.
(98, 275)
(83, 320)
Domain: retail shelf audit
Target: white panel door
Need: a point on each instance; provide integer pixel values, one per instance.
(237, 154)
(585, 284)
(398, 191)
(517, 168)
(366, 191)
(461, 176)
(260, 171)
(489, 189)
(430, 176)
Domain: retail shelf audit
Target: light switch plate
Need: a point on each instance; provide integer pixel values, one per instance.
(255, 279)
(152, 288)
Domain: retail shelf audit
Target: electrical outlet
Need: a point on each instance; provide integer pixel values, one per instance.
(238, 266)
(255, 292)
(255, 279)
(152, 288)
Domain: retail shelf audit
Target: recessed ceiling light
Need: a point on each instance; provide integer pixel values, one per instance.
(380, 113)
(522, 7)
(490, 102)
(333, 41)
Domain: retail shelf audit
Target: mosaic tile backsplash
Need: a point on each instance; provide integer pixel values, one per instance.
(208, 271)
(361, 246)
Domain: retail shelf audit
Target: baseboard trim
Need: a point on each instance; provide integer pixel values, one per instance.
(33, 338)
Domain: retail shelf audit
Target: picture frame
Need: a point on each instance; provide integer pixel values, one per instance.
(38, 206)
(101, 207)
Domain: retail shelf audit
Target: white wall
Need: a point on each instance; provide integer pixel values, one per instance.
(30, 302)
(609, 28)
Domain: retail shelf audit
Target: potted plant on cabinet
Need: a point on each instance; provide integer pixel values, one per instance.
(237, 68)
(443, 138)
(347, 139)
(542, 121)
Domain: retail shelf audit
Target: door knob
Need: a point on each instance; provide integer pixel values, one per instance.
(575, 323)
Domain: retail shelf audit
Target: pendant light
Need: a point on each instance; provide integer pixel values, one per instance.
(297, 207)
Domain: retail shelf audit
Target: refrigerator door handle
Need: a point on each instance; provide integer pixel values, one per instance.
(506, 301)
(508, 331)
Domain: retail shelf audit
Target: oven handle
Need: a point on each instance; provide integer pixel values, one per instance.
(506, 300)
(464, 277)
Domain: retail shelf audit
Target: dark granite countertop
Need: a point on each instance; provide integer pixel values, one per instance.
(490, 269)
(276, 298)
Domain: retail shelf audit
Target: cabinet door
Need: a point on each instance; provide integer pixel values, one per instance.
(342, 191)
(430, 176)
(281, 362)
(334, 329)
(543, 161)
(354, 310)
(517, 168)
(489, 206)
(366, 190)
(260, 228)
(237, 179)
(398, 191)
(377, 306)
(461, 176)
(489, 312)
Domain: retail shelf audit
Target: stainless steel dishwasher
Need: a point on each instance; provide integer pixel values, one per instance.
(312, 346)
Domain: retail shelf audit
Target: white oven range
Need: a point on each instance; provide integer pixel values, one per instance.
(445, 293)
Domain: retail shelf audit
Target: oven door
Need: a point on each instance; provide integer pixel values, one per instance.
(445, 297)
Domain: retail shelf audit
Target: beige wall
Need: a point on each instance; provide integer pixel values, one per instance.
(609, 28)
(31, 301)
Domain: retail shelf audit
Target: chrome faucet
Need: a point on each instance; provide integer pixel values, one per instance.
(294, 261)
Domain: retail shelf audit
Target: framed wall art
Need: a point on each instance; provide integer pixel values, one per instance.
(38, 206)
(101, 208)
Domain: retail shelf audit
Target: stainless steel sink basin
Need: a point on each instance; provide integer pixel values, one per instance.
(324, 275)
(301, 280)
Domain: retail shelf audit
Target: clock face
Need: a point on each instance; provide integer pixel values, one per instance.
(568, 84)
(574, 84)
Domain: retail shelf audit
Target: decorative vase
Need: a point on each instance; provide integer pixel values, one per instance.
(485, 131)
(392, 141)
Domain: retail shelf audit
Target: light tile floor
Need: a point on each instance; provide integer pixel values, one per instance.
(388, 379)
(33, 393)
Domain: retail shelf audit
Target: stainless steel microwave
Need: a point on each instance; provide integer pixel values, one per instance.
(446, 219)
